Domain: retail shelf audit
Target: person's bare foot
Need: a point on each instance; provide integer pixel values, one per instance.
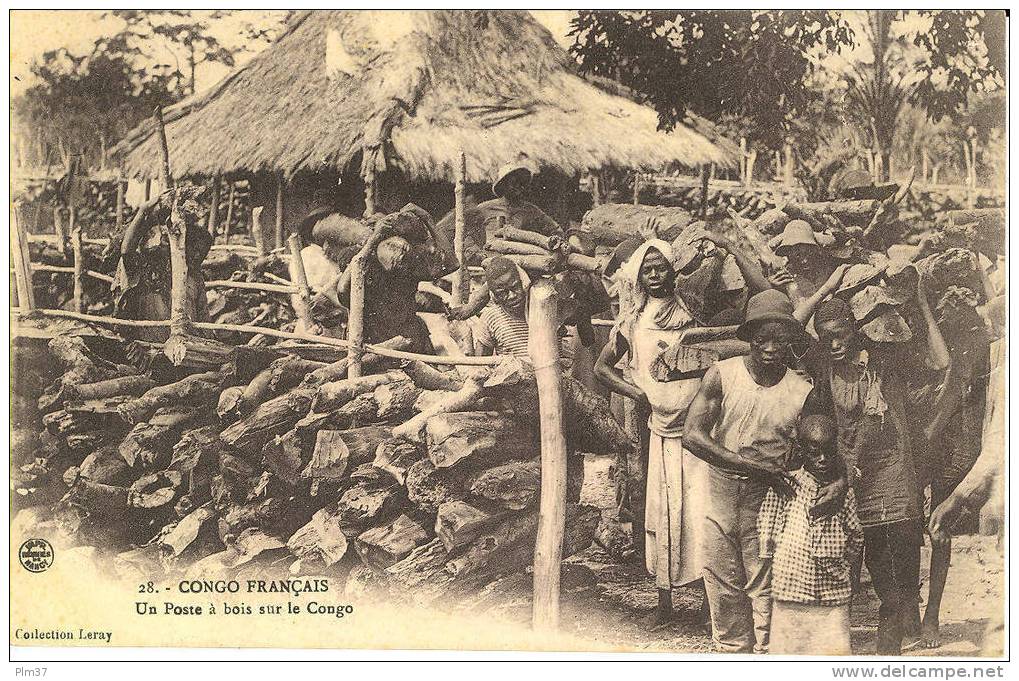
(930, 632)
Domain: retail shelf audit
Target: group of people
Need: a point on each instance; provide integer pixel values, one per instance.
(772, 477)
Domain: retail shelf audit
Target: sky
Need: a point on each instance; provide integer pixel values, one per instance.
(35, 32)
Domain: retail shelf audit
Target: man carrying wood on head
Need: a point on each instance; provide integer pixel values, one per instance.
(404, 249)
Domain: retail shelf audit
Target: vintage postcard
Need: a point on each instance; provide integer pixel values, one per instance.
(671, 331)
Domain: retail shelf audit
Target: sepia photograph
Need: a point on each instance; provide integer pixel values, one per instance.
(651, 333)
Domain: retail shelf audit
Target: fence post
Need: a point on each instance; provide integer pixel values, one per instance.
(461, 280)
(58, 226)
(22, 262)
(544, 350)
(79, 270)
(175, 347)
(302, 299)
(636, 189)
(355, 320)
(279, 211)
(256, 230)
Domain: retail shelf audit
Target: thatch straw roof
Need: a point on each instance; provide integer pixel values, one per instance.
(411, 89)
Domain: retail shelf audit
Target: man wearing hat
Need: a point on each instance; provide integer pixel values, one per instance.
(808, 263)
(742, 422)
(509, 208)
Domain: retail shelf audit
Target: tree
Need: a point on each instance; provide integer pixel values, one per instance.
(82, 104)
(749, 67)
(933, 60)
(185, 33)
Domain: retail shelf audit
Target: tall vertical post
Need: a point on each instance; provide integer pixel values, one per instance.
(636, 189)
(79, 270)
(461, 279)
(175, 347)
(302, 299)
(548, 546)
(22, 262)
(788, 152)
(595, 189)
(355, 320)
(72, 224)
(120, 205)
(59, 228)
(743, 161)
(369, 193)
(280, 181)
(229, 213)
(214, 207)
(148, 189)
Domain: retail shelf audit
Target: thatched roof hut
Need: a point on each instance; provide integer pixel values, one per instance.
(408, 91)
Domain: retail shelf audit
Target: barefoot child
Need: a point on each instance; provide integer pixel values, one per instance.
(811, 552)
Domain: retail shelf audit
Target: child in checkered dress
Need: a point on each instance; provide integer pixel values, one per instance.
(811, 554)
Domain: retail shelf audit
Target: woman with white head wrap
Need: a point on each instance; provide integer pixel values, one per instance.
(651, 317)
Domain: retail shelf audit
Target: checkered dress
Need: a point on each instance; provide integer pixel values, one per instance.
(811, 557)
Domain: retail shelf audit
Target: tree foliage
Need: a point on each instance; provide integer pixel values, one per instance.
(752, 68)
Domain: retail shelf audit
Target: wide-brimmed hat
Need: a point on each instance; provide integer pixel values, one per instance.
(521, 167)
(769, 305)
(799, 232)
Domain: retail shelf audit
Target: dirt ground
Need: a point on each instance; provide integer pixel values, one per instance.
(613, 609)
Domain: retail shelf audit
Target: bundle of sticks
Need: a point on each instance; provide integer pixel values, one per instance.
(413, 481)
(539, 253)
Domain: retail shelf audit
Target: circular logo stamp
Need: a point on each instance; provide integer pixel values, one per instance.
(36, 555)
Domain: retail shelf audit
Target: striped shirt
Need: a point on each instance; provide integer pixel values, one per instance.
(506, 334)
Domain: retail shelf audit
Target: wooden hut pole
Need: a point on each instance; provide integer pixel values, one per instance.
(79, 270)
(214, 208)
(120, 205)
(165, 178)
(148, 189)
(256, 230)
(280, 181)
(636, 189)
(369, 193)
(72, 224)
(461, 279)
(229, 213)
(22, 263)
(301, 300)
(355, 319)
(58, 226)
(548, 546)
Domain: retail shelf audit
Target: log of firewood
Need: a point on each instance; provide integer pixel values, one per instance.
(686, 360)
(396, 456)
(321, 539)
(329, 459)
(543, 264)
(336, 394)
(256, 514)
(413, 428)
(420, 565)
(125, 385)
(477, 438)
(770, 222)
(887, 327)
(195, 390)
(361, 409)
(858, 212)
(613, 539)
(272, 418)
(150, 444)
(865, 301)
(428, 487)
(229, 404)
(104, 466)
(367, 504)
(514, 486)
(590, 424)
(176, 538)
(459, 523)
(612, 223)
(200, 354)
(396, 399)
(548, 244)
(154, 490)
(382, 547)
(282, 374)
(338, 370)
(427, 377)
(507, 247)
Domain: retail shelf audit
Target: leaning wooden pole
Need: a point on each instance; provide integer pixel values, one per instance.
(22, 262)
(355, 319)
(461, 279)
(79, 270)
(301, 300)
(705, 180)
(544, 350)
(165, 178)
(120, 205)
(280, 182)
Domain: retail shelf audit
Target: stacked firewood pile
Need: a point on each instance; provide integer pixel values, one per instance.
(409, 481)
(247, 306)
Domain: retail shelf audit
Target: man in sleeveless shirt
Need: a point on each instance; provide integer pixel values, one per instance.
(742, 422)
